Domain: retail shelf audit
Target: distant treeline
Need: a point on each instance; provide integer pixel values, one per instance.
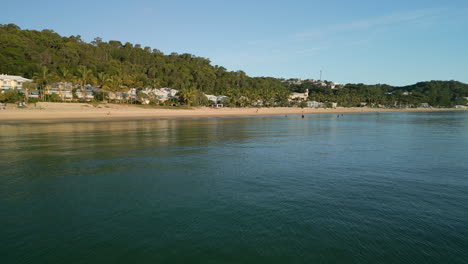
(435, 93)
(48, 57)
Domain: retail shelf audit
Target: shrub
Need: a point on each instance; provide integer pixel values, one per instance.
(11, 96)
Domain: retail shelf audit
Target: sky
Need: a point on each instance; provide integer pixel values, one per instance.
(397, 42)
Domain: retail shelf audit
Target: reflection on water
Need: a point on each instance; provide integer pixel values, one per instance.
(363, 188)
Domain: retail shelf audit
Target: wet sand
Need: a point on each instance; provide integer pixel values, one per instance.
(79, 112)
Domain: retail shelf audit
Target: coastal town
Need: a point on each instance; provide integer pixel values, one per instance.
(28, 92)
(70, 92)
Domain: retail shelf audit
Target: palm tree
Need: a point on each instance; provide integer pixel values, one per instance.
(115, 83)
(43, 79)
(85, 76)
(64, 76)
(102, 79)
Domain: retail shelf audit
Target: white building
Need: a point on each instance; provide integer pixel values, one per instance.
(10, 82)
(424, 105)
(162, 94)
(217, 99)
(88, 95)
(212, 98)
(314, 104)
(63, 89)
(299, 96)
(334, 85)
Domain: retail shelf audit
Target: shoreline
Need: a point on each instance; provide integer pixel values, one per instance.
(78, 112)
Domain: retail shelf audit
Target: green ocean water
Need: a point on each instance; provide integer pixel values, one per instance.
(359, 188)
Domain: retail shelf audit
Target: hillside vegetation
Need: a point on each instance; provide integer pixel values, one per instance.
(48, 57)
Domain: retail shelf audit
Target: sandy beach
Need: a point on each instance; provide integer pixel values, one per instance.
(77, 112)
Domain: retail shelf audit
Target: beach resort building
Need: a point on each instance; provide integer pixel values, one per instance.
(10, 82)
(114, 96)
(62, 89)
(162, 94)
(87, 95)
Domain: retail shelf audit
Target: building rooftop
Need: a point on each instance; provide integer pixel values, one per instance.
(13, 77)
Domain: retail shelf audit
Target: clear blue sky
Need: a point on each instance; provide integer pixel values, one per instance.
(371, 41)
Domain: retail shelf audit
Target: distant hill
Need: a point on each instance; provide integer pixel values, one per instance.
(435, 93)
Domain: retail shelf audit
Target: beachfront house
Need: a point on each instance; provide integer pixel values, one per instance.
(162, 94)
(167, 93)
(62, 89)
(217, 100)
(314, 104)
(424, 105)
(131, 95)
(88, 94)
(211, 98)
(11, 82)
(118, 96)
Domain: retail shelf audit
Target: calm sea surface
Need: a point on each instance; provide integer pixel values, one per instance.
(362, 188)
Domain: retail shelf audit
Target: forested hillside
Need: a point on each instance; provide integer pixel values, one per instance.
(48, 57)
(435, 93)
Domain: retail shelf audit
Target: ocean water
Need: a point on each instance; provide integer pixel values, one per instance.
(361, 188)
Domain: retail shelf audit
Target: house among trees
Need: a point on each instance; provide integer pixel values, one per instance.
(216, 100)
(11, 82)
(62, 89)
(424, 105)
(161, 95)
(299, 96)
(87, 95)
